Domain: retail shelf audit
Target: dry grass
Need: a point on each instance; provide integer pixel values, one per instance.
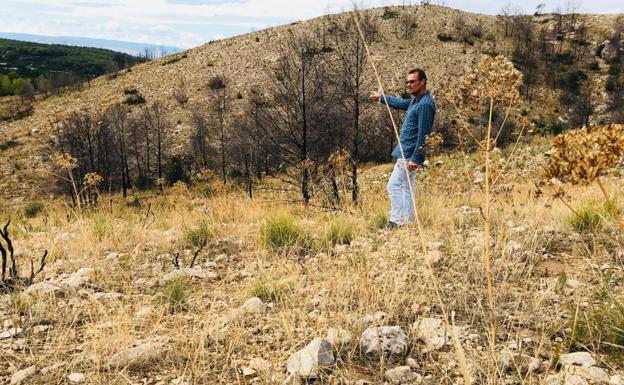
(322, 287)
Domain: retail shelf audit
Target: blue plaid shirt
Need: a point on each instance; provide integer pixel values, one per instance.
(416, 126)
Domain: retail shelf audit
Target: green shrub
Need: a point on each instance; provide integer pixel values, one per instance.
(601, 328)
(144, 182)
(269, 289)
(389, 14)
(103, 227)
(380, 219)
(134, 202)
(591, 215)
(279, 231)
(339, 232)
(174, 295)
(31, 209)
(133, 99)
(444, 37)
(8, 144)
(195, 234)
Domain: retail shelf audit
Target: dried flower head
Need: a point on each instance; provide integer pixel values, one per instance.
(434, 141)
(92, 179)
(179, 187)
(340, 159)
(64, 161)
(493, 78)
(580, 156)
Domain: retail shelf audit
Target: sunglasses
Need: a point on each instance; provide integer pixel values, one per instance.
(411, 81)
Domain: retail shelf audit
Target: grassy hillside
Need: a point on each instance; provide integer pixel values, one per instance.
(30, 60)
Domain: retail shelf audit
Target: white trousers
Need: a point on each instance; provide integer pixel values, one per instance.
(401, 209)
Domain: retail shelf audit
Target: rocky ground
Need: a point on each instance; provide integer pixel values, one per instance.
(111, 307)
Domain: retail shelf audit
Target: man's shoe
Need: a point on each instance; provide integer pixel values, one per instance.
(392, 225)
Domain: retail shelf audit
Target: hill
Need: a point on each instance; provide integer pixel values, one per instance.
(246, 62)
(57, 63)
(131, 48)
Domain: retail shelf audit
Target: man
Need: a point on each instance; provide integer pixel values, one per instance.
(417, 125)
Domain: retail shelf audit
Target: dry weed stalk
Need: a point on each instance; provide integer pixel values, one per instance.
(90, 181)
(490, 82)
(582, 156)
(459, 351)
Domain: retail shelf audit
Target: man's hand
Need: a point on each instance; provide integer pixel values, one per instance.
(411, 166)
(374, 95)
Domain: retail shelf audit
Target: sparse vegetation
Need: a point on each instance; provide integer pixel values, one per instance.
(282, 231)
(32, 209)
(269, 289)
(173, 295)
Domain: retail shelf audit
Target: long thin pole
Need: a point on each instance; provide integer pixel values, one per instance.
(458, 348)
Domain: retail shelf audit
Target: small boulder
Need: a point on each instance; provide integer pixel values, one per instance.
(577, 358)
(12, 332)
(253, 305)
(138, 355)
(400, 375)
(339, 338)
(391, 341)
(22, 375)
(310, 361)
(190, 272)
(260, 365)
(76, 378)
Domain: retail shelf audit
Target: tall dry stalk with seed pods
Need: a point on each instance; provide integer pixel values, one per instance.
(489, 83)
(582, 156)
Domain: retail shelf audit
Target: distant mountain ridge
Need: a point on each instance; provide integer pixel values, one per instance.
(132, 48)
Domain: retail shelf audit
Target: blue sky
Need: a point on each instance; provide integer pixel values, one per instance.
(188, 23)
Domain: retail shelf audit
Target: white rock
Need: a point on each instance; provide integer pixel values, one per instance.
(339, 338)
(577, 358)
(562, 378)
(260, 365)
(433, 332)
(519, 229)
(44, 288)
(616, 380)
(79, 278)
(13, 332)
(400, 375)
(592, 373)
(41, 328)
(513, 247)
(310, 361)
(248, 372)
(411, 363)
(76, 378)
(52, 368)
(191, 272)
(572, 283)
(23, 375)
(253, 305)
(107, 296)
(388, 340)
(138, 355)
(374, 318)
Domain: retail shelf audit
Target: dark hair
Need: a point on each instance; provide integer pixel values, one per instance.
(421, 74)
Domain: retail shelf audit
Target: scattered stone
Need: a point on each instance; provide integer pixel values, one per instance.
(411, 363)
(253, 305)
(260, 365)
(616, 380)
(11, 333)
(138, 355)
(41, 328)
(577, 358)
(43, 288)
(519, 229)
(592, 373)
(248, 372)
(310, 361)
(572, 283)
(191, 272)
(433, 257)
(510, 361)
(562, 378)
(79, 278)
(107, 296)
(339, 338)
(52, 368)
(513, 247)
(388, 340)
(76, 378)
(375, 318)
(478, 179)
(433, 332)
(23, 375)
(400, 375)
